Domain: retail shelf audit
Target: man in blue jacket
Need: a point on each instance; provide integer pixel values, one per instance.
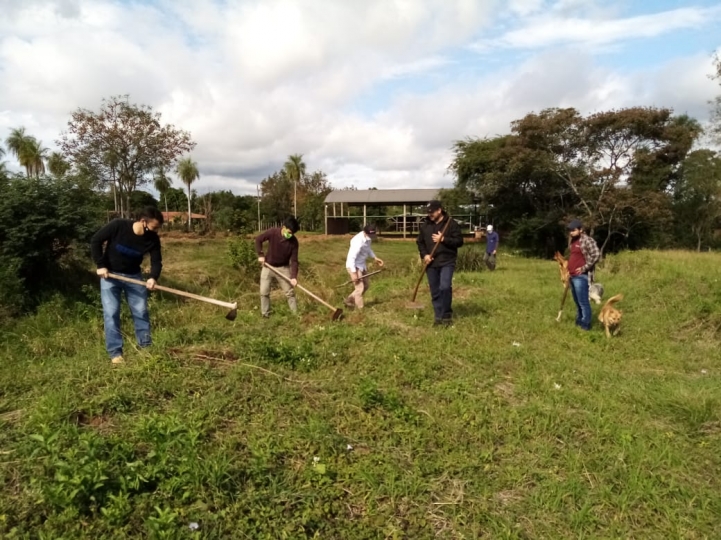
(491, 247)
(440, 267)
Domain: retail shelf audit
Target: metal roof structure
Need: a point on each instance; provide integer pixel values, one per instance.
(380, 197)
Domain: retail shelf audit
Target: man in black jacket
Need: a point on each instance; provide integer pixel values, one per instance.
(440, 267)
(126, 242)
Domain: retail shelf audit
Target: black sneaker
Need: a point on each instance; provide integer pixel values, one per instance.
(438, 322)
(447, 322)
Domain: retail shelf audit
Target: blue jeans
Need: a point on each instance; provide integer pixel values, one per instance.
(111, 291)
(579, 289)
(440, 280)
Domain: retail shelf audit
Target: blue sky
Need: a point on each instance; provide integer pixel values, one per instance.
(372, 92)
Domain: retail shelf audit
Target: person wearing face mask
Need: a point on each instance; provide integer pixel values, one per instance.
(126, 243)
(282, 254)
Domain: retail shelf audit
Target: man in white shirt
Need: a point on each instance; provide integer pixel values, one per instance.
(360, 250)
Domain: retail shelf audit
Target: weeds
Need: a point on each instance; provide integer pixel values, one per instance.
(376, 427)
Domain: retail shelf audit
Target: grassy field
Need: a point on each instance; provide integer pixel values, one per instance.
(508, 425)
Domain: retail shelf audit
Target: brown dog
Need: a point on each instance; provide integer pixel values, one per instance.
(562, 267)
(610, 317)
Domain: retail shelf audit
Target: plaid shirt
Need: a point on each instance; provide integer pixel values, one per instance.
(591, 253)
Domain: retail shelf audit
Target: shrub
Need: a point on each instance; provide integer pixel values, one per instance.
(42, 220)
(470, 259)
(242, 254)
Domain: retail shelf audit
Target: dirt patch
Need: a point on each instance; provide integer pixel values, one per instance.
(508, 497)
(507, 391)
(12, 416)
(221, 357)
(82, 418)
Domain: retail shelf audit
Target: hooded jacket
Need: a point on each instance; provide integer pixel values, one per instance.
(447, 251)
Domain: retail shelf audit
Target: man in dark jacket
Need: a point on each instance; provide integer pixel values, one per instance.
(282, 254)
(440, 267)
(127, 241)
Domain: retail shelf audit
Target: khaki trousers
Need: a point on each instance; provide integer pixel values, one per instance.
(266, 277)
(361, 285)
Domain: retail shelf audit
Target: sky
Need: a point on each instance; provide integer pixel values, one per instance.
(371, 92)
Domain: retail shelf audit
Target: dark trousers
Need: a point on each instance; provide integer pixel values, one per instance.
(440, 280)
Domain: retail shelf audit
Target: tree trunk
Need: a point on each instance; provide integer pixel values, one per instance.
(189, 214)
(165, 196)
(698, 243)
(122, 209)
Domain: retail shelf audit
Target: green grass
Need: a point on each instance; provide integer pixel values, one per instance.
(508, 425)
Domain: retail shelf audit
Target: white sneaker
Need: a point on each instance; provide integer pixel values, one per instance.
(117, 360)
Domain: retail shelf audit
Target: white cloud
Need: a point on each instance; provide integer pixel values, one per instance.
(550, 30)
(257, 80)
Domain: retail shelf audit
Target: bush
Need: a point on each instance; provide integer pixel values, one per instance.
(11, 289)
(42, 220)
(470, 259)
(242, 254)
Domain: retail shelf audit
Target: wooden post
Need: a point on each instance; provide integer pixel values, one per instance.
(404, 221)
(325, 207)
(334, 210)
(364, 215)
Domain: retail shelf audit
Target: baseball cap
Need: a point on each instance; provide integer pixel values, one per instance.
(489, 228)
(574, 224)
(369, 229)
(432, 206)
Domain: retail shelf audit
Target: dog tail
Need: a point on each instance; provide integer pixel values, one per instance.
(613, 300)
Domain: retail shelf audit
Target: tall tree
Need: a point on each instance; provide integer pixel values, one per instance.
(597, 156)
(698, 195)
(187, 170)
(18, 143)
(57, 165)
(276, 196)
(295, 169)
(122, 141)
(162, 183)
(314, 189)
(34, 156)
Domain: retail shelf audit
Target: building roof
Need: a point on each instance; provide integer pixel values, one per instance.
(382, 196)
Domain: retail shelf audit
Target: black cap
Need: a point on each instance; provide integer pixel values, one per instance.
(369, 229)
(432, 206)
(574, 224)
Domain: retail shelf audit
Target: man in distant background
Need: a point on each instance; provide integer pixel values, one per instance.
(282, 254)
(491, 247)
(359, 251)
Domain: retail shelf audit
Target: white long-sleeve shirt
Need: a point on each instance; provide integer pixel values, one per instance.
(360, 250)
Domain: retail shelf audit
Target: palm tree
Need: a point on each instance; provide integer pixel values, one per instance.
(187, 170)
(295, 169)
(162, 184)
(35, 156)
(57, 166)
(18, 143)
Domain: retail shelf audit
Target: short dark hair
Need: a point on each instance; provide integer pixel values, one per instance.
(291, 224)
(150, 212)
